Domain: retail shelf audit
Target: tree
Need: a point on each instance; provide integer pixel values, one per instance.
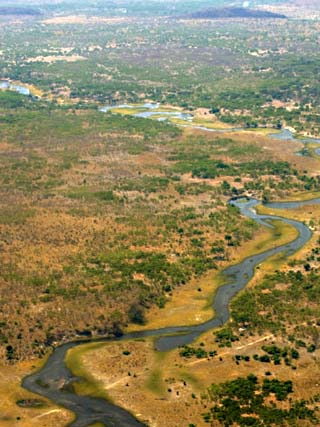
(136, 314)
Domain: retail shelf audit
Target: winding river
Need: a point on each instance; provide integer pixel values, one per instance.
(54, 380)
(151, 110)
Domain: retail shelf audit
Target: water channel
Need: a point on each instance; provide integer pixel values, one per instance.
(54, 379)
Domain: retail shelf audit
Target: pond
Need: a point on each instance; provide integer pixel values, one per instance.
(6, 85)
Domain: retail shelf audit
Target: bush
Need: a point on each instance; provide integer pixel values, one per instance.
(136, 314)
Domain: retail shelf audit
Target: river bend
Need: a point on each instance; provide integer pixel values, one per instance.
(54, 380)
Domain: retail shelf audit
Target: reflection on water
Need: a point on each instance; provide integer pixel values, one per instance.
(288, 135)
(149, 110)
(4, 84)
(163, 115)
(152, 110)
(145, 106)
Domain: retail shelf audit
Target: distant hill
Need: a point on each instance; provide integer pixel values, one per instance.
(233, 12)
(6, 11)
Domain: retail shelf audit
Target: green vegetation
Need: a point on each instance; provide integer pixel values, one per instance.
(87, 385)
(249, 75)
(225, 337)
(199, 353)
(97, 182)
(93, 196)
(104, 215)
(245, 402)
(276, 296)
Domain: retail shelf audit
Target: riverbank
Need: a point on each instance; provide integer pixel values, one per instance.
(171, 390)
(192, 303)
(22, 88)
(160, 371)
(187, 296)
(17, 405)
(198, 295)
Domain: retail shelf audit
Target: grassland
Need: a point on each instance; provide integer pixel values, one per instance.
(174, 390)
(67, 174)
(130, 217)
(260, 74)
(155, 370)
(57, 229)
(192, 304)
(20, 407)
(179, 387)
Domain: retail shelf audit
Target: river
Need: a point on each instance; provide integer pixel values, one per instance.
(53, 379)
(151, 110)
(154, 110)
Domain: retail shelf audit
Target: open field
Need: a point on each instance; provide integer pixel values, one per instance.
(152, 375)
(182, 298)
(192, 304)
(112, 223)
(247, 75)
(154, 384)
(65, 178)
(18, 407)
(168, 388)
(52, 236)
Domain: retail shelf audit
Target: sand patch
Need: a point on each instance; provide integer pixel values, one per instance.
(52, 58)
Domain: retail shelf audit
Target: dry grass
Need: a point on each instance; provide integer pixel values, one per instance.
(170, 390)
(48, 415)
(192, 303)
(54, 234)
(165, 389)
(141, 381)
(145, 391)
